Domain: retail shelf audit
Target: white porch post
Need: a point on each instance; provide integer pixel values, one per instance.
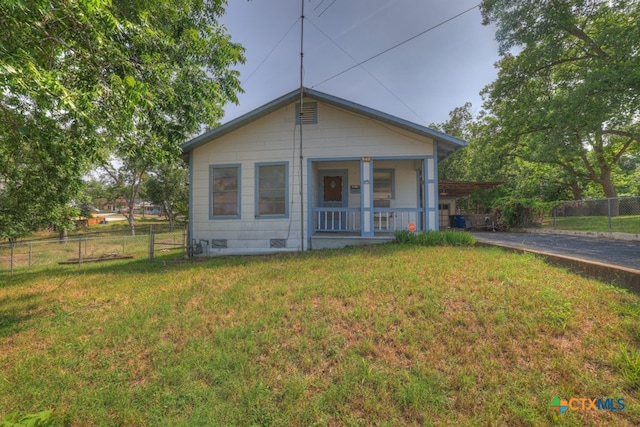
(366, 196)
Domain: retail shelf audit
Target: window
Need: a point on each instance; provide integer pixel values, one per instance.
(225, 192)
(271, 189)
(383, 184)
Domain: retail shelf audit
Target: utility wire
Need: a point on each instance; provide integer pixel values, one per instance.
(318, 5)
(327, 8)
(397, 45)
(271, 51)
(368, 72)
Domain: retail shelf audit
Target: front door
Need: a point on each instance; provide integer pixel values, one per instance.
(332, 193)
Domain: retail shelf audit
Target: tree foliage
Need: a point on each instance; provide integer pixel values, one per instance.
(124, 179)
(167, 187)
(568, 88)
(81, 79)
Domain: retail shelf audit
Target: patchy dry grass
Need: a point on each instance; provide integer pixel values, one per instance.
(386, 335)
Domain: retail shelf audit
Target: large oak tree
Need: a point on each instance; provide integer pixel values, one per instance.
(81, 79)
(568, 88)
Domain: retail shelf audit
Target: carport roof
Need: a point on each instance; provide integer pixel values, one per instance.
(455, 189)
(447, 144)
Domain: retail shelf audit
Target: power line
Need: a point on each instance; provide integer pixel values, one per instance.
(327, 8)
(271, 51)
(318, 5)
(368, 72)
(397, 45)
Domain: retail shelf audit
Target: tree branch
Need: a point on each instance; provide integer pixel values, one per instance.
(577, 32)
(592, 172)
(565, 61)
(623, 150)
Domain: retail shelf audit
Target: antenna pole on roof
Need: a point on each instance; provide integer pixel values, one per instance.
(301, 113)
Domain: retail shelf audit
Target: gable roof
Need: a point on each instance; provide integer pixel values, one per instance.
(447, 144)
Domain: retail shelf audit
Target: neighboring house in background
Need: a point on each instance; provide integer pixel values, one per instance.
(365, 174)
(119, 205)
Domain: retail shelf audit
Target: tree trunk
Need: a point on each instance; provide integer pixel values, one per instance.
(64, 235)
(132, 228)
(169, 212)
(577, 191)
(610, 192)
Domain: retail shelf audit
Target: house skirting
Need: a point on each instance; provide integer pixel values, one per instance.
(334, 241)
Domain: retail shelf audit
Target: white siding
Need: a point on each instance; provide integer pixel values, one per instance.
(275, 138)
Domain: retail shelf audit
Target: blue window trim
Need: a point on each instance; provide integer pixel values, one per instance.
(211, 169)
(393, 180)
(257, 190)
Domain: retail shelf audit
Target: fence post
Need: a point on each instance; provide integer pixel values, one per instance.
(609, 213)
(11, 258)
(184, 241)
(79, 250)
(151, 243)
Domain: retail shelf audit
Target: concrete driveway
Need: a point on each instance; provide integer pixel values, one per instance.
(614, 252)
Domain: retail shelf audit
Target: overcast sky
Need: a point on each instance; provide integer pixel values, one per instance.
(421, 81)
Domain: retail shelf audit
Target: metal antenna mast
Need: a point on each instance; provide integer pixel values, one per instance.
(300, 121)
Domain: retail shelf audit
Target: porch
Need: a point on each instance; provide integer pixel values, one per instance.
(366, 200)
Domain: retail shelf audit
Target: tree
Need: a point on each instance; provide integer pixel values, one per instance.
(482, 159)
(167, 187)
(81, 79)
(125, 178)
(568, 82)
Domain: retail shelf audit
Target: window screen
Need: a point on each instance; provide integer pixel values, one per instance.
(271, 189)
(225, 191)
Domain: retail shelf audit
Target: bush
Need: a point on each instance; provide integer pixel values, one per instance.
(41, 419)
(514, 212)
(435, 238)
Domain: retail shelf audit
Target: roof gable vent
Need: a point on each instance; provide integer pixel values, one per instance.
(309, 113)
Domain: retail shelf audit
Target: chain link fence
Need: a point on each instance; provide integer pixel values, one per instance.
(620, 215)
(149, 242)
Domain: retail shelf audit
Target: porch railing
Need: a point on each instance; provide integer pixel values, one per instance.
(385, 220)
(336, 219)
(394, 219)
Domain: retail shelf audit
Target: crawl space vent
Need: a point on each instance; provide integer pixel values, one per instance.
(218, 243)
(278, 243)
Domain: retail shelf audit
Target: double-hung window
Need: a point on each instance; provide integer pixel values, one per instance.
(272, 197)
(383, 184)
(225, 192)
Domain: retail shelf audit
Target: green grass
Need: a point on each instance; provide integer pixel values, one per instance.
(383, 335)
(435, 238)
(620, 224)
(50, 252)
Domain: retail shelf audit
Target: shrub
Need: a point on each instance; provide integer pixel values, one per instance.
(515, 212)
(41, 419)
(435, 238)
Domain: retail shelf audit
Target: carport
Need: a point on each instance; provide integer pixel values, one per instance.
(449, 192)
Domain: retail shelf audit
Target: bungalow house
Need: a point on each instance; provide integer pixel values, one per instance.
(328, 174)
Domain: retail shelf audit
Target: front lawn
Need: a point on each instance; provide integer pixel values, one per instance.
(384, 335)
(619, 224)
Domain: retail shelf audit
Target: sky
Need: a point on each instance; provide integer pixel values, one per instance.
(421, 81)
